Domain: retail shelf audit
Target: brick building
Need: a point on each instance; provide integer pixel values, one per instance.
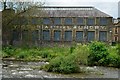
(64, 24)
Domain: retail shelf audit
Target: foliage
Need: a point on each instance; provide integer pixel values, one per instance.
(98, 53)
(63, 64)
(81, 52)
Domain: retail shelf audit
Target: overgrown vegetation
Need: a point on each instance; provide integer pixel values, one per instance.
(67, 59)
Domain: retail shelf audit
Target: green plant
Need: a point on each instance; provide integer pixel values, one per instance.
(63, 64)
(98, 53)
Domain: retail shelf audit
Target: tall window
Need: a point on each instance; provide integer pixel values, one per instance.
(90, 21)
(57, 21)
(46, 35)
(57, 35)
(80, 21)
(79, 35)
(68, 36)
(116, 38)
(103, 21)
(35, 35)
(15, 35)
(91, 36)
(68, 21)
(103, 36)
(46, 21)
(25, 35)
(116, 30)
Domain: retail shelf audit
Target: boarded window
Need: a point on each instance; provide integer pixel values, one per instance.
(57, 35)
(46, 21)
(46, 35)
(79, 35)
(91, 36)
(35, 35)
(103, 21)
(57, 21)
(103, 36)
(25, 35)
(68, 36)
(16, 35)
(68, 21)
(91, 21)
(80, 21)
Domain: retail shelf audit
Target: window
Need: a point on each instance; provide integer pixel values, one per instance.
(46, 21)
(91, 35)
(35, 21)
(68, 36)
(57, 35)
(15, 35)
(80, 21)
(103, 21)
(91, 21)
(116, 38)
(46, 35)
(68, 21)
(79, 35)
(35, 35)
(116, 30)
(23, 21)
(25, 35)
(57, 21)
(103, 36)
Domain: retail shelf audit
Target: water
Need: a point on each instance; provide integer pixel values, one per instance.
(20, 69)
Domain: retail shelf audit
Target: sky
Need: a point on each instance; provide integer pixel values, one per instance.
(108, 6)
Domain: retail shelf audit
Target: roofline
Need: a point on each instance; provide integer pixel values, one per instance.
(66, 7)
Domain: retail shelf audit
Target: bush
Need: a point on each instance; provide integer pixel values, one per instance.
(98, 53)
(81, 52)
(8, 51)
(63, 64)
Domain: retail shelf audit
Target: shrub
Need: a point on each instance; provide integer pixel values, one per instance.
(81, 53)
(8, 51)
(63, 64)
(98, 53)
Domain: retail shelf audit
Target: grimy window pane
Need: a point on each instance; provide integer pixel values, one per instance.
(103, 21)
(46, 21)
(57, 20)
(68, 36)
(68, 21)
(25, 35)
(80, 21)
(91, 36)
(79, 35)
(35, 35)
(57, 35)
(15, 35)
(90, 21)
(103, 36)
(46, 35)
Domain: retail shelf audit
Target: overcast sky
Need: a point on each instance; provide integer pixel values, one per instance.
(108, 6)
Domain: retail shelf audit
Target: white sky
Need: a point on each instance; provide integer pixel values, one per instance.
(108, 6)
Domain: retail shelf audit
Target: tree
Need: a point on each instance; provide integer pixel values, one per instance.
(11, 12)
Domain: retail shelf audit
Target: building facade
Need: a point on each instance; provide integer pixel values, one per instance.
(65, 24)
(116, 32)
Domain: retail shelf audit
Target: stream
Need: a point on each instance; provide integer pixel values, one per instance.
(22, 69)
